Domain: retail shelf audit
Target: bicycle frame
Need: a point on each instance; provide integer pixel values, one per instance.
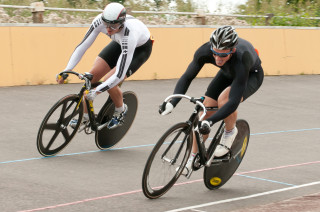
(85, 89)
(206, 156)
(87, 77)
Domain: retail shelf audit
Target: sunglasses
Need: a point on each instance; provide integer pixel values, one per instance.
(220, 54)
(112, 26)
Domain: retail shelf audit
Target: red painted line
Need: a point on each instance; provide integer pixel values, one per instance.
(82, 201)
(177, 184)
(279, 167)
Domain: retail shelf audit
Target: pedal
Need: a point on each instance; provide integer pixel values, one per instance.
(196, 163)
(189, 173)
(224, 159)
(209, 162)
(86, 128)
(81, 128)
(100, 127)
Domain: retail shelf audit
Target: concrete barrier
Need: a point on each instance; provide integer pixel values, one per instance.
(32, 54)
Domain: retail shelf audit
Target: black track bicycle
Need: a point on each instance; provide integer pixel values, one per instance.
(169, 156)
(55, 133)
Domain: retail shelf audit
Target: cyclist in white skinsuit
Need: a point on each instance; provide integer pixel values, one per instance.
(130, 47)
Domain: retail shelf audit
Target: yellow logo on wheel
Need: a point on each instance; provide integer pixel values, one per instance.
(244, 146)
(215, 181)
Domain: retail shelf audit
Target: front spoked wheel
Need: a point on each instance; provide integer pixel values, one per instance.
(167, 161)
(54, 132)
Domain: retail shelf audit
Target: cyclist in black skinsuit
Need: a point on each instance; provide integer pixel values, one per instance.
(240, 76)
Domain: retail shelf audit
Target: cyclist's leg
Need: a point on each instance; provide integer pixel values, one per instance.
(254, 83)
(104, 62)
(230, 121)
(140, 56)
(219, 83)
(216, 86)
(230, 133)
(99, 69)
(208, 102)
(115, 92)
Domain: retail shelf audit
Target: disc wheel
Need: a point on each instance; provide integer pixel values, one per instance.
(219, 173)
(108, 138)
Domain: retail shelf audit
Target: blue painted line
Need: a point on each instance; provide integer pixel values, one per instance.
(76, 153)
(139, 146)
(285, 131)
(273, 181)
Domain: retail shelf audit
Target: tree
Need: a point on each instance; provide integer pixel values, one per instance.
(184, 6)
(297, 12)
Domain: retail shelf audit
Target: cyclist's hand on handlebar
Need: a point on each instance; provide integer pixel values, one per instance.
(60, 78)
(204, 127)
(91, 95)
(165, 108)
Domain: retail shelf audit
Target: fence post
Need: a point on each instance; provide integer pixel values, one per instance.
(37, 12)
(268, 18)
(129, 10)
(200, 17)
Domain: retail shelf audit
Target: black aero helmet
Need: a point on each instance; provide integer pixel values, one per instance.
(114, 13)
(224, 37)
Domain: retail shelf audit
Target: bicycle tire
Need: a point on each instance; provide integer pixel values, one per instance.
(108, 138)
(154, 182)
(218, 174)
(56, 122)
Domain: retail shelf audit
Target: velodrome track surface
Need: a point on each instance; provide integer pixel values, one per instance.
(282, 161)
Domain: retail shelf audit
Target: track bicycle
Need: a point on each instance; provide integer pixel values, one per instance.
(55, 133)
(169, 156)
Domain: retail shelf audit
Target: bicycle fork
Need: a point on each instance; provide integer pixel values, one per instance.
(174, 160)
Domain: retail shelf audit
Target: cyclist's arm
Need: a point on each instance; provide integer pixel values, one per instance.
(87, 41)
(128, 47)
(184, 82)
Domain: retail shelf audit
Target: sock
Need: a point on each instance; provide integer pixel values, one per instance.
(119, 109)
(229, 132)
(192, 155)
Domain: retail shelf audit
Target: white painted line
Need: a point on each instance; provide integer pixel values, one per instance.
(245, 197)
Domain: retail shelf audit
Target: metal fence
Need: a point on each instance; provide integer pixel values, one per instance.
(38, 8)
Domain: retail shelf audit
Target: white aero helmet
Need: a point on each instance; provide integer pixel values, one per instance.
(114, 13)
(224, 38)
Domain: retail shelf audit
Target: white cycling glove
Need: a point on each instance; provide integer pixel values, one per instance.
(204, 127)
(92, 94)
(168, 109)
